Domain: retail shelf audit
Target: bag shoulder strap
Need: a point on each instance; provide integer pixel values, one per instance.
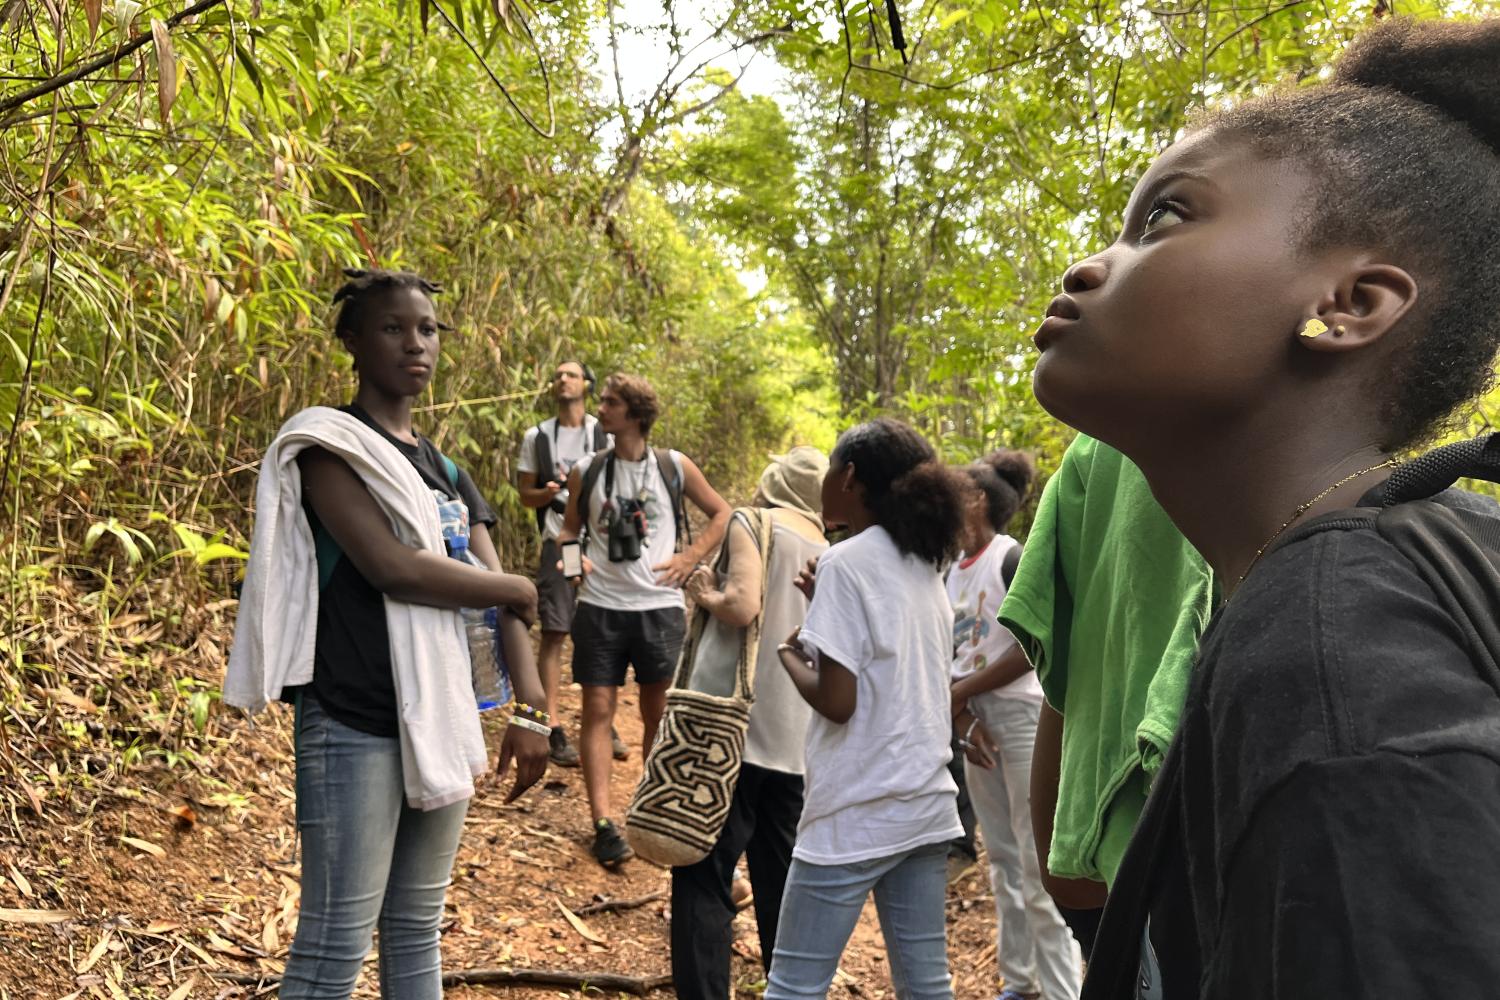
(601, 439)
(757, 521)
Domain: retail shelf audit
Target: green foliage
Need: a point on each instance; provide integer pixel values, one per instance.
(880, 239)
(920, 215)
(174, 226)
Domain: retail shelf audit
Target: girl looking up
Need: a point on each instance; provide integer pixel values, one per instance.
(349, 611)
(1304, 288)
(872, 660)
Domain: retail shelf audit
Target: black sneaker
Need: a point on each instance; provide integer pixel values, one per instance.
(610, 849)
(562, 753)
(617, 746)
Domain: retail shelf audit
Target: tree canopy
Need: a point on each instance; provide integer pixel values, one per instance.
(183, 185)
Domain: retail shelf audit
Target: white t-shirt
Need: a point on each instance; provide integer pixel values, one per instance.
(975, 589)
(569, 446)
(631, 586)
(879, 784)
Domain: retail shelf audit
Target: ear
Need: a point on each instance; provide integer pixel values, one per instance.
(847, 481)
(1363, 307)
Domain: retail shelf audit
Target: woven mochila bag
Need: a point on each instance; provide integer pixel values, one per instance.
(683, 799)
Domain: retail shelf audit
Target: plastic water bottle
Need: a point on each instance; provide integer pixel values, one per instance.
(491, 677)
(491, 683)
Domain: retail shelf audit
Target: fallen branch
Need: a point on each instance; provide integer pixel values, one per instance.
(616, 905)
(607, 981)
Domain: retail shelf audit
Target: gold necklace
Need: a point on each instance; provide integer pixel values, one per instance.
(1303, 510)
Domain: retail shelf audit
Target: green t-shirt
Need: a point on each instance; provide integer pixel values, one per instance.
(1108, 601)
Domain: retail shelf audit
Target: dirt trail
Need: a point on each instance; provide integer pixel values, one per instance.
(211, 890)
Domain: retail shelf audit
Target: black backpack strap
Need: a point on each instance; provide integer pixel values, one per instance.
(1477, 458)
(1008, 565)
(1455, 549)
(545, 465)
(1458, 553)
(671, 474)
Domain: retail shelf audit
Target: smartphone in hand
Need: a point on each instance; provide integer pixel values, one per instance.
(572, 560)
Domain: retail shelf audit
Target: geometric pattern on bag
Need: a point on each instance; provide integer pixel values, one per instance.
(682, 801)
(683, 798)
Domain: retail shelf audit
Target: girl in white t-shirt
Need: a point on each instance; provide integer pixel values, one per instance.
(996, 702)
(873, 661)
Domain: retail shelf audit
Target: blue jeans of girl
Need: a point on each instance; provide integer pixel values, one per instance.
(822, 903)
(368, 861)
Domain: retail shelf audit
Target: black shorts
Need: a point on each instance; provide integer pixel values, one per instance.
(605, 642)
(555, 596)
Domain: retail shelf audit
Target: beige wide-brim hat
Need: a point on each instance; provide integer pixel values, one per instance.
(795, 481)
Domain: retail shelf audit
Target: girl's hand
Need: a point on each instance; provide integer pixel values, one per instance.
(807, 579)
(793, 654)
(529, 751)
(519, 595)
(699, 583)
(977, 743)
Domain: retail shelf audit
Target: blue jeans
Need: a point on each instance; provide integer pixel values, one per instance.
(368, 860)
(823, 902)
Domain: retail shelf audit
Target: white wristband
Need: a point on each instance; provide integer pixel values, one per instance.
(535, 727)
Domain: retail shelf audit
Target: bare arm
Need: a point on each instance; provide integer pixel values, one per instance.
(675, 571)
(1046, 761)
(738, 602)
(351, 515)
(573, 517)
(831, 689)
(1011, 665)
(534, 496)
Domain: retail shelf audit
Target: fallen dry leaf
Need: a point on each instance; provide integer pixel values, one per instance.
(9, 916)
(181, 992)
(207, 959)
(144, 845)
(95, 953)
(72, 700)
(226, 947)
(162, 926)
(578, 924)
(20, 881)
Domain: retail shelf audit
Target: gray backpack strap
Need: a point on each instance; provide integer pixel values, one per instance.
(671, 474)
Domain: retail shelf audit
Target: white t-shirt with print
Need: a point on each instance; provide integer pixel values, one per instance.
(570, 445)
(878, 784)
(975, 589)
(630, 586)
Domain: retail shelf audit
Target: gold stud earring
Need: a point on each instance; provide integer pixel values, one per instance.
(1340, 330)
(1313, 328)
